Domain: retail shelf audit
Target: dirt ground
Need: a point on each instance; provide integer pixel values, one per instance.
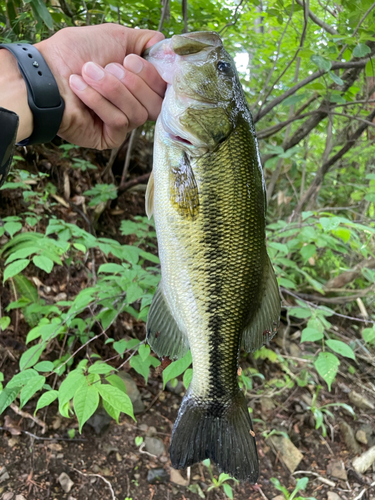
(49, 459)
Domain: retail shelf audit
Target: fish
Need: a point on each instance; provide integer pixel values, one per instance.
(218, 290)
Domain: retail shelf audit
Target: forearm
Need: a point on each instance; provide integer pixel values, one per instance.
(13, 93)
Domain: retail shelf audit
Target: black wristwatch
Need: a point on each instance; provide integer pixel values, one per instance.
(46, 104)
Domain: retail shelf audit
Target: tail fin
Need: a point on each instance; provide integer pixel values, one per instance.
(218, 431)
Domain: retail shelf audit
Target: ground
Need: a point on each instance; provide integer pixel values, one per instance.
(113, 464)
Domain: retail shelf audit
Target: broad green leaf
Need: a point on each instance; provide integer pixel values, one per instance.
(336, 78)
(140, 366)
(85, 402)
(361, 50)
(228, 490)
(111, 268)
(31, 356)
(22, 378)
(279, 486)
(12, 228)
(369, 335)
(188, 375)
(300, 312)
(341, 348)
(176, 368)
(112, 412)
(101, 368)
(7, 396)
(41, 11)
(4, 322)
(116, 381)
(15, 268)
(302, 483)
(70, 385)
(33, 386)
(321, 62)
(121, 346)
(311, 335)
(44, 366)
(116, 398)
(329, 223)
(308, 251)
(327, 366)
(46, 399)
(43, 263)
(144, 351)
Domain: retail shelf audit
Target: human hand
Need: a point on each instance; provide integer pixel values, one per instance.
(105, 96)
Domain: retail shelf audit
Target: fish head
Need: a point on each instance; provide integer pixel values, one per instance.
(204, 95)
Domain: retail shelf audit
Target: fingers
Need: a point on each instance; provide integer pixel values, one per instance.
(146, 71)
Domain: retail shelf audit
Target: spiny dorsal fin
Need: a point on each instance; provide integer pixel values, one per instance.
(163, 333)
(149, 201)
(184, 189)
(265, 321)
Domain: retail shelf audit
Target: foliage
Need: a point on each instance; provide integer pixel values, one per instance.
(310, 88)
(300, 486)
(221, 482)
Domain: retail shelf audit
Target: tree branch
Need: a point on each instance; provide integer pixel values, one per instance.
(318, 21)
(359, 64)
(318, 179)
(357, 28)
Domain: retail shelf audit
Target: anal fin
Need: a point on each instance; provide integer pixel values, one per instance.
(163, 333)
(264, 322)
(149, 199)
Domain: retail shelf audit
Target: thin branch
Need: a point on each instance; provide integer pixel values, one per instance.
(101, 477)
(361, 63)
(185, 16)
(302, 40)
(319, 22)
(235, 18)
(275, 61)
(357, 28)
(324, 7)
(41, 438)
(128, 155)
(318, 179)
(25, 414)
(163, 14)
(370, 124)
(143, 179)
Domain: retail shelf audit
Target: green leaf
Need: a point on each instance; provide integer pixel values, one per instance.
(111, 268)
(308, 251)
(85, 402)
(46, 399)
(70, 385)
(43, 263)
(117, 381)
(112, 412)
(4, 322)
(361, 50)
(369, 335)
(101, 368)
(12, 228)
(327, 366)
(300, 312)
(311, 335)
(188, 375)
(176, 368)
(341, 348)
(33, 386)
(31, 356)
(321, 62)
(116, 398)
(15, 268)
(140, 366)
(301, 484)
(228, 490)
(44, 366)
(41, 11)
(22, 378)
(336, 78)
(7, 396)
(144, 351)
(279, 486)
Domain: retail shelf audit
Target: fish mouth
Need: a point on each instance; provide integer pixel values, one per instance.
(180, 139)
(185, 44)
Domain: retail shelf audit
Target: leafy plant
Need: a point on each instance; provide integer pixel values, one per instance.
(221, 482)
(300, 486)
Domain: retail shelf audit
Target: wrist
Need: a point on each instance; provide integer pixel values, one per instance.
(13, 94)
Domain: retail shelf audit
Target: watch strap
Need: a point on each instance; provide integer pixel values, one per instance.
(46, 104)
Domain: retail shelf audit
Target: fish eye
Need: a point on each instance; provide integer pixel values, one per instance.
(224, 67)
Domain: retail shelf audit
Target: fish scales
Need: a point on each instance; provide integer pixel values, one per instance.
(209, 208)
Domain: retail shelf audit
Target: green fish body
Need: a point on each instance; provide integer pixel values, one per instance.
(218, 289)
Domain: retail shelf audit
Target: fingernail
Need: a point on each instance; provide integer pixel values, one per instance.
(115, 70)
(77, 82)
(93, 71)
(133, 63)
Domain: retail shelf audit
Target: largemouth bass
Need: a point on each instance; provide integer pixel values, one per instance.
(218, 289)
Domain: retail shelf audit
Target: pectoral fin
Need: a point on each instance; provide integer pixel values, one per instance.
(183, 189)
(163, 333)
(149, 202)
(264, 322)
